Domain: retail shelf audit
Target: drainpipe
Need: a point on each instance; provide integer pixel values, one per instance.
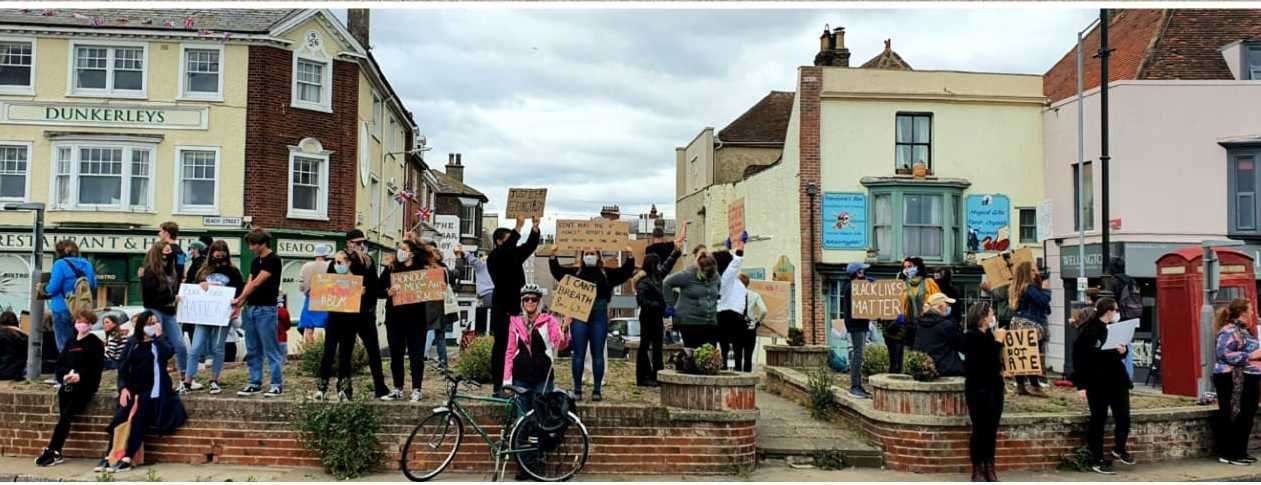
(1081, 169)
(812, 190)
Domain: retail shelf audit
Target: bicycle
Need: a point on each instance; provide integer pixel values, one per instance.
(445, 427)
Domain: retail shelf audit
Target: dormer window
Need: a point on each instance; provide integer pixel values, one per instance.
(1254, 62)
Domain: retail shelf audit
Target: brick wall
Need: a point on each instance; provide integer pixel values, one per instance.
(1025, 441)
(625, 439)
(810, 85)
(273, 126)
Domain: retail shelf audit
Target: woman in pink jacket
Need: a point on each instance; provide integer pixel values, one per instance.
(534, 338)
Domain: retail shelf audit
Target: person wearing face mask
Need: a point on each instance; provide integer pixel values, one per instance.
(209, 340)
(917, 287)
(309, 320)
(652, 306)
(983, 387)
(692, 301)
(342, 329)
(1101, 380)
(939, 336)
(1029, 297)
(504, 266)
(405, 325)
(67, 270)
(147, 404)
(79, 372)
(159, 287)
(1236, 374)
(592, 332)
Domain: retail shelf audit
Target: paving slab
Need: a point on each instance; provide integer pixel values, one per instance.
(785, 429)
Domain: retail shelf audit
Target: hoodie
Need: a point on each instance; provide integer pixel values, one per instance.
(61, 281)
(941, 339)
(697, 300)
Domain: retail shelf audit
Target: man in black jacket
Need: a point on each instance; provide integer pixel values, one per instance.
(504, 264)
(940, 337)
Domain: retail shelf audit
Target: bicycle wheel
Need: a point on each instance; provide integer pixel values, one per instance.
(431, 447)
(554, 459)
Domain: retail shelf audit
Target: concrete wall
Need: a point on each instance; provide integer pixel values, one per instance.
(732, 160)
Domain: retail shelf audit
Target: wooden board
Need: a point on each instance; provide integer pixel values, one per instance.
(337, 293)
(574, 298)
(877, 300)
(1020, 353)
(735, 219)
(602, 235)
(777, 296)
(525, 203)
(419, 286)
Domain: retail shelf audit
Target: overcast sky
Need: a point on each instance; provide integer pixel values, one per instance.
(592, 103)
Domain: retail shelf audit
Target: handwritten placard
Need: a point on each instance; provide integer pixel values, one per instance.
(525, 203)
(876, 300)
(639, 249)
(997, 271)
(419, 286)
(777, 296)
(735, 219)
(574, 298)
(212, 306)
(1020, 353)
(602, 234)
(336, 293)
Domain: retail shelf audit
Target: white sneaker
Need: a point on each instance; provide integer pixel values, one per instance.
(196, 386)
(395, 395)
(416, 396)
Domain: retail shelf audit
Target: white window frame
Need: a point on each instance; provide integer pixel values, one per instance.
(316, 152)
(30, 146)
(178, 202)
(1252, 61)
(29, 89)
(378, 107)
(326, 84)
(109, 91)
(124, 204)
(183, 87)
(467, 204)
(374, 204)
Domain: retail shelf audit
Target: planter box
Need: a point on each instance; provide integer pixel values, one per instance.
(900, 394)
(803, 357)
(726, 391)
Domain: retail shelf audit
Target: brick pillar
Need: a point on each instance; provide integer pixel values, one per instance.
(810, 84)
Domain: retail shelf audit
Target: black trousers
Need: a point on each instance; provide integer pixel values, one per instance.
(71, 405)
(694, 336)
(339, 340)
(146, 414)
(1232, 434)
(985, 407)
(746, 341)
(1101, 399)
(730, 327)
(896, 350)
(499, 331)
(406, 338)
(648, 357)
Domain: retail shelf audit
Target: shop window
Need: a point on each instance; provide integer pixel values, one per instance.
(17, 66)
(15, 162)
(109, 70)
(198, 179)
(103, 177)
(202, 77)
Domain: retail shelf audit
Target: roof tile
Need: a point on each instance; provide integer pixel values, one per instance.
(221, 19)
(765, 122)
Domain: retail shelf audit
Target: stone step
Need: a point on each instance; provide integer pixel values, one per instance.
(798, 450)
(786, 432)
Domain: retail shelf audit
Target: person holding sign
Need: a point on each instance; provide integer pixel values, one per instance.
(504, 264)
(917, 286)
(209, 340)
(1236, 372)
(857, 329)
(732, 297)
(342, 328)
(406, 324)
(1029, 297)
(1100, 377)
(592, 331)
(158, 288)
(652, 307)
(310, 320)
(983, 387)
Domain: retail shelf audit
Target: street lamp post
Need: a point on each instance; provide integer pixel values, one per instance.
(35, 343)
(1104, 158)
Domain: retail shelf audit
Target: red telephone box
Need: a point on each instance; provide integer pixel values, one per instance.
(1179, 296)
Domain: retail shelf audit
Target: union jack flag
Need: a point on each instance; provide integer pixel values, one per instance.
(423, 213)
(405, 196)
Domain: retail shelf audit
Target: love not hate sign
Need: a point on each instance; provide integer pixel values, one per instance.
(1020, 353)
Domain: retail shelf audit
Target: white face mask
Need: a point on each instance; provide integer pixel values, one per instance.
(402, 256)
(151, 330)
(590, 259)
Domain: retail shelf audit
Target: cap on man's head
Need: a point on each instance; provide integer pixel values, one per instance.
(853, 268)
(354, 234)
(207, 240)
(939, 299)
(198, 245)
(323, 250)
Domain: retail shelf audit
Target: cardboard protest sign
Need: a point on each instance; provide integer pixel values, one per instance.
(525, 203)
(876, 300)
(1020, 353)
(419, 286)
(639, 248)
(1022, 255)
(602, 235)
(574, 298)
(735, 219)
(336, 293)
(210, 307)
(997, 273)
(777, 296)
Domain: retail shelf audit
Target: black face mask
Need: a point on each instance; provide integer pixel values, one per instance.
(220, 261)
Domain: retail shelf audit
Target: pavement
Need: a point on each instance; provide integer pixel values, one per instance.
(785, 430)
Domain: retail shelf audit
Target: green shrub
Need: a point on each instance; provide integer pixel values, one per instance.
(795, 337)
(875, 360)
(310, 356)
(1077, 460)
(819, 387)
(920, 366)
(474, 362)
(343, 434)
(708, 360)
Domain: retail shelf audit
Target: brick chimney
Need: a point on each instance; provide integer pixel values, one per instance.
(455, 169)
(358, 25)
(832, 51)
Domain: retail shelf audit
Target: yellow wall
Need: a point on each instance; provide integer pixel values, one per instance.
(992, 138)
(225, 130)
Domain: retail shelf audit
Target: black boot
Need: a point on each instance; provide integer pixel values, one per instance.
(991, 474)
(978, 473)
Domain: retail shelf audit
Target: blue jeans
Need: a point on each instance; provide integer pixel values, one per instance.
(526, 401)
(594, 332)
(439, 337)
(175, 336)
(63, 329)
(208, 340)
(260, 343)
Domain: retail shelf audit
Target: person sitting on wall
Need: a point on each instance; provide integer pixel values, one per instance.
(939, 336)
(13, 344)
